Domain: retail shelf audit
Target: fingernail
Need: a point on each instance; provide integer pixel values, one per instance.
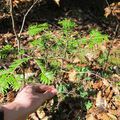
(54, 91)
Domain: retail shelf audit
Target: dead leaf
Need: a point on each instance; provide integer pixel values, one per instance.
(97, 85)
(40, 114)
(106, 83)
(114, 112)
(1, 98)
(90, 117)
(113, 117)
(10, 96)
(72, 76)
(118, 112)
(107, 91)
(58, 2)
(107, 11)
(100, 101)
(33, 117)
(110, 96)
(45, 118)
(113, 9)
(89, 57)
(76, 60)
(103, 116)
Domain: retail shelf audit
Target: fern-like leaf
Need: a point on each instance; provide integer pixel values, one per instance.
(45, 76)
(7, 77)
(35, 29)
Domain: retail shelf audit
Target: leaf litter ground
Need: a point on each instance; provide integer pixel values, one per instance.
(100, 98)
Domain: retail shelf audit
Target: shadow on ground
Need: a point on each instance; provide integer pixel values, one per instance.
(88, 13)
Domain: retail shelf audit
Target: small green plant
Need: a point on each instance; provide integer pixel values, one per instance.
(82, 72)
(5, 51)
(35, 29)
(95, 38)
(103, 58)
(8, 77)
(67, 24)
(84, 95)
(46, 77)
(62, 88)
(88, 104)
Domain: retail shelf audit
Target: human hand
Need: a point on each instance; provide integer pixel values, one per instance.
(28, 100)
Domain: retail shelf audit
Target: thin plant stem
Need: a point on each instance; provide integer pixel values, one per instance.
(24, 18)
(13, 25)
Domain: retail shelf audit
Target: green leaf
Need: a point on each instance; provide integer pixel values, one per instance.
(35, 29)
(41, 65)
(46, 77)
(67, 24)
(62, 88)
(7, 77)
(88, 105)
(17, 64)
(5, 51)
(96, 38)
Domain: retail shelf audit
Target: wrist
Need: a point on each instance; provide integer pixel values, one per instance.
(13, 111)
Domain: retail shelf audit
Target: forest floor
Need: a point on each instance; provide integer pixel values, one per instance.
(87, 88)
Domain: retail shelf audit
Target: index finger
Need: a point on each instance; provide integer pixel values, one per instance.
(43, 88)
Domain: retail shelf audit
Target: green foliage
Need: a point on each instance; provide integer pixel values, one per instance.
(103, 58)
(95, 38)
(42, 42)
(8, 78)
(84, 95)
(51, 46)
(55, 65)
(67, 24)
(46, 77)
(114, 58)
(82, 92)
(5, 51)
(38, 43)
(72, 46)
(17, 64)
(62, 88)
(88, 104)
(82, 72)
(35, 29)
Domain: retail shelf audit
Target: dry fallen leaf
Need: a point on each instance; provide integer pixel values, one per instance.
(100, 101)
(106, 83)
(72, 76)
(97, 85)
(41, 114)
(10, 96)
(113, 117)
(1, 97)
(113, 9)
(110, 95)
(107, 91)
(76, 60)
(58, 2)
(107, 11)
(90, 117)
(103, 116)
(33, 117)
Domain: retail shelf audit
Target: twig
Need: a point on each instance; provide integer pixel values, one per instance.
(108, 4)
(24, 18)
(116, 28)
(13, 25)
